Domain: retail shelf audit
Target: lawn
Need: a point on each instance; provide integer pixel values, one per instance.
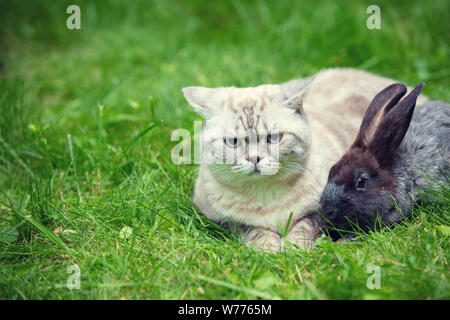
(86, 176)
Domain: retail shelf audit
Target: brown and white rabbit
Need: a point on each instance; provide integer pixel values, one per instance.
(376, 182)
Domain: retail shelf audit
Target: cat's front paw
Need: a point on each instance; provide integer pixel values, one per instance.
(297, 243)
(263, 239)
(303, 234)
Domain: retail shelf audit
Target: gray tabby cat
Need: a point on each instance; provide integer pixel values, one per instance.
(270, 149)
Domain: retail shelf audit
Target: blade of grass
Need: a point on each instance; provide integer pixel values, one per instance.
(51, 236)
(231, 286)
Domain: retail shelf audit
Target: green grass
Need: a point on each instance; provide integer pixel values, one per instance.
(85, 124)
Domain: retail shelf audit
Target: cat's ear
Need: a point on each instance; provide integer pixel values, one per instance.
(294, 92)
(201, 99)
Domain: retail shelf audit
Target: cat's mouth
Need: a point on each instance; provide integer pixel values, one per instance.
(257, 170)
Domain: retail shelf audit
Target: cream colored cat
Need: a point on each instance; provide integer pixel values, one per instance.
(270, 149)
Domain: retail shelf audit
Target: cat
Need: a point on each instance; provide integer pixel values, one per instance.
(270, 149)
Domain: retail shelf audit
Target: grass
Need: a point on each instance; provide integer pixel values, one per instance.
(85, 125)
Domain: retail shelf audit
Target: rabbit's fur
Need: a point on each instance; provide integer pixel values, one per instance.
(376, 182)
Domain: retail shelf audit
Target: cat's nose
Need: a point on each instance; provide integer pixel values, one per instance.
(254, 160)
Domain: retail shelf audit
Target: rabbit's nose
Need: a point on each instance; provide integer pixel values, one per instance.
(329, 211)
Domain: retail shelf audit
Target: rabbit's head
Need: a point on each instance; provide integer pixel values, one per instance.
(360, 188)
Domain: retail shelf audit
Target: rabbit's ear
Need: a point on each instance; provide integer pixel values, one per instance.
(393, 127)
(380, 105)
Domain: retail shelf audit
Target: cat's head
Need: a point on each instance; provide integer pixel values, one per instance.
(253, 133)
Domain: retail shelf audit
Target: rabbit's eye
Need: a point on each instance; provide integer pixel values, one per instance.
(361, 183)
(231, 142)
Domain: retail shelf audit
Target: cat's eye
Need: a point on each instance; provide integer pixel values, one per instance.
(274, 137)
(362, 182)
(231, 142)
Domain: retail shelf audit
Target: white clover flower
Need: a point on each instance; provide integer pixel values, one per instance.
(125, 233)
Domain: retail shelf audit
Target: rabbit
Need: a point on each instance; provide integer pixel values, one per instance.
(375, 183)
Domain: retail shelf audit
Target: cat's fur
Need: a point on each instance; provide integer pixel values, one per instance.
(318, 117)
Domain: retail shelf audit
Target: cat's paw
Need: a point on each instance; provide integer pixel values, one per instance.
(265, 240)
(302, 235)
(302, 244)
